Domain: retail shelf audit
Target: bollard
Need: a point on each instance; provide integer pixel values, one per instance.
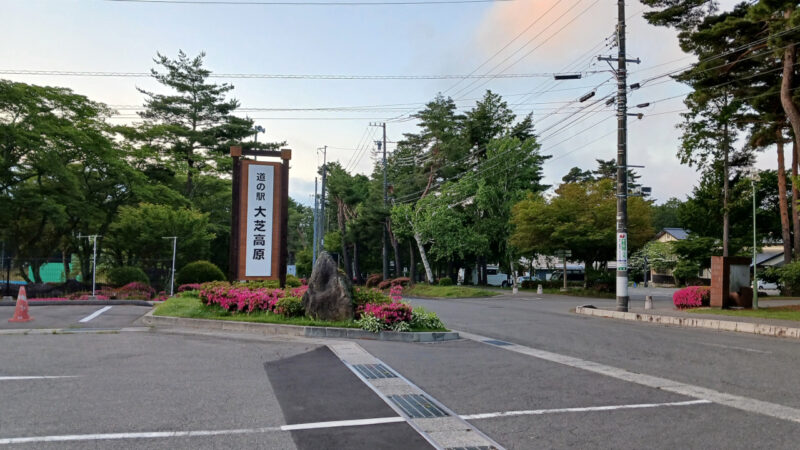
(648, 302)
(539, 289)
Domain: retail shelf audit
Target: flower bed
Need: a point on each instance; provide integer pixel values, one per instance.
(243, 299)
(692, 297)
(395, 315)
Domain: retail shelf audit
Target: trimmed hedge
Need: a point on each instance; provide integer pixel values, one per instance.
(120, 276)
(199, 272)
(445, 281)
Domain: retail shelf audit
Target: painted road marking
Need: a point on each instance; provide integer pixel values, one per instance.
(313, 425)
(734, 401)
(732, 347)
(536, 412)
(36, 377)
(341, 423)
(94, 314)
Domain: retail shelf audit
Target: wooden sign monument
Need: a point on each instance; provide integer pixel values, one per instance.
(259, 215)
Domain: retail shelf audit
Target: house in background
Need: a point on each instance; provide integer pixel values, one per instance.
(665, 277)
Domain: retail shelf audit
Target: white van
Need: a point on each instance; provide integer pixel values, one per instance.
(494, 277)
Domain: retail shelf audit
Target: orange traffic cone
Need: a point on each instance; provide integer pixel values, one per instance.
(21, 310)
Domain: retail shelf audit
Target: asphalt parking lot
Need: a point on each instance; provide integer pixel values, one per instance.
(143, 388)
(75, 317)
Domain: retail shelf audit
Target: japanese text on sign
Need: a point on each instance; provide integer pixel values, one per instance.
(260, 187)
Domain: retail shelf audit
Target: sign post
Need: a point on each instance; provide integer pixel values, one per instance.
(259, 216)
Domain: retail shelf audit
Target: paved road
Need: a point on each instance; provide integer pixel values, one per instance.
(531, 375)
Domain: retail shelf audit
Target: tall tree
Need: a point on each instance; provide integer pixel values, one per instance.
(192, 127)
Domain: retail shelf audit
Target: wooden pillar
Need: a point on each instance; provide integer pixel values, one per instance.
(233, 268)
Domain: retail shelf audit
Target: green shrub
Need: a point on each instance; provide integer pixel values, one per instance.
(362, 296)
(290, 307)
(789, 276)
(120, 276)
(370, 323)
(266, 284)
(199, 272)
(422, 318)
(292, 281)
(445, 281)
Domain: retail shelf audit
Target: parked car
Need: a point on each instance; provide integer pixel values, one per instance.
(766, 285)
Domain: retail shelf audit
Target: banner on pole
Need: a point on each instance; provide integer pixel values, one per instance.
(622, 251)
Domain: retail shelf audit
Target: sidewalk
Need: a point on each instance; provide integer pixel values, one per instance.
(668, 315)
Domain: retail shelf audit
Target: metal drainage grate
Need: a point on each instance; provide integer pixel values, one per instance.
(496, 342)
(417, 406)
(373, 371)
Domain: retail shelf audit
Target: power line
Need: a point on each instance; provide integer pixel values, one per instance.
(269, 76)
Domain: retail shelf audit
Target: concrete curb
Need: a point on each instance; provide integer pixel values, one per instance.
(692, 322)
(296, 330)
(33, 302)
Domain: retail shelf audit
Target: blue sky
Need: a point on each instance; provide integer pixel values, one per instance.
(97, 35)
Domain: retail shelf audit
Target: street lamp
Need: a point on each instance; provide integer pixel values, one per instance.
(172, 273)
(754, 178)
(258, 129)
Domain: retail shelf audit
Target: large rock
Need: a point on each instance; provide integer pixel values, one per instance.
(329, 295)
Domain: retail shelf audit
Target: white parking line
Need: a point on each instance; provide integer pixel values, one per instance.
(342, 423)
(36, 377)
(94, 314)
(537, 412)
(734, 401)
(733, 347)
(314, 425)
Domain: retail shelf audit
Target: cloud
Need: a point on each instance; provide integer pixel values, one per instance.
(551, 28)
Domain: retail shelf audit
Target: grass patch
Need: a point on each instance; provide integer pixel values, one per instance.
(581, 292)
(788, 312)
(431, 291)
(189, 305)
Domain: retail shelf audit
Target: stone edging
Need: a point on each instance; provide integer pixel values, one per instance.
(713, 324)
(297, 330)
(32, 302)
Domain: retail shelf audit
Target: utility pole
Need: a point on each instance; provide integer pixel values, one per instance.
(622, 159)
(385, 252)
(316, 219)
(172, 274)
(93, 238)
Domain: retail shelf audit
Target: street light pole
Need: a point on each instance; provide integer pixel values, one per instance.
(753, 180)
(93, 238)
(172, 273)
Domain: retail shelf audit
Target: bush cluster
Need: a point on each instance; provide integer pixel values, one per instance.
(292, 281)
(135, 290)
(199, 272)
(120, 276)
(189, 287)
(362, 296)
(445, 281)
(246, 298)
(401, 281)
(373, 280)
(692, 297)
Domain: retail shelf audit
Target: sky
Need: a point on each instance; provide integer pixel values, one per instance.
(519, 37)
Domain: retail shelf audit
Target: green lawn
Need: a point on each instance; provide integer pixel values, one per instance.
(789, 312)
(581, 292)
(189, 305)
(432, 291)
